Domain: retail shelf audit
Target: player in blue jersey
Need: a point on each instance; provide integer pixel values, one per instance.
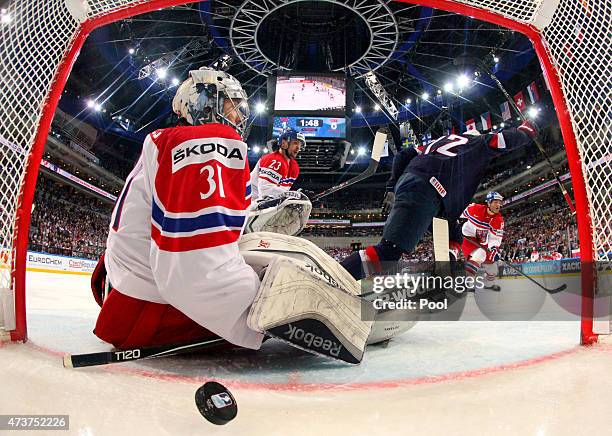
(437, 181)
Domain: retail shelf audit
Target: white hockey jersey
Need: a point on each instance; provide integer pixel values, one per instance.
(486, 229)
(174, 230)
(273, 174)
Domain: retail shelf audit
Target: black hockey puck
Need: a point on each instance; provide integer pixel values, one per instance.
(216, 403)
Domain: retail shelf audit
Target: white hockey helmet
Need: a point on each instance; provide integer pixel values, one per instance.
(200, 99)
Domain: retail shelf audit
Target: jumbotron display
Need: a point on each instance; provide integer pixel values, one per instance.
(310, 93)
(311, 127)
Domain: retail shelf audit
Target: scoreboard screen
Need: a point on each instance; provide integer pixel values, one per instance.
(313, 93)
(312, 127)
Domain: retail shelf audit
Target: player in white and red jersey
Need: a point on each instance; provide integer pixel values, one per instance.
(172, 256)
(482, 236)
(173, 263)
(276, 172)
(275, 207)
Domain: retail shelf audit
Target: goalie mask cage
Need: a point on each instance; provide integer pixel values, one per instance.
(40, 39)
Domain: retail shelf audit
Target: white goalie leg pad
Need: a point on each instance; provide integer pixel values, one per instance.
(310, 311)
(259, 249)
(258, 261)
(286, 215)
(300, 249)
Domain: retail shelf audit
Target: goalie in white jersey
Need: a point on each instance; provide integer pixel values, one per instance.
(173, 271)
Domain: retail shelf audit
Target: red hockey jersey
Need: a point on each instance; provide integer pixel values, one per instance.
(273, 175)
(174, 229)
(486, 229)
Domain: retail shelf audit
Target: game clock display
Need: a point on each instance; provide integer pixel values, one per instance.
(312, 127)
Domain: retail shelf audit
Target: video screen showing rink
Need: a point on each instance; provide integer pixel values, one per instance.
(310, 93)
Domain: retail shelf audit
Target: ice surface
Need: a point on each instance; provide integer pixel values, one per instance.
(466, 377)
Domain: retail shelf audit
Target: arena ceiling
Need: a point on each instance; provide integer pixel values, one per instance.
(411, 49)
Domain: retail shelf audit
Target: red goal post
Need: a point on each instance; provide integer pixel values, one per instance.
(40, 40)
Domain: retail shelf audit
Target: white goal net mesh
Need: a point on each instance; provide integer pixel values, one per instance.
(36, 35)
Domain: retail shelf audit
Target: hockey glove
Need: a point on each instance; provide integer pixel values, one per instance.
(387, 203)
(307, 193)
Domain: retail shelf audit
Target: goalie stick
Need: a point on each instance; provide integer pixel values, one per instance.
(377, 148)
(439, 228)
(440, 240)
(550, 291)
(131, 354)
(466, 60)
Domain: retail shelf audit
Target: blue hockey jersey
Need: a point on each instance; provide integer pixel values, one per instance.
(455, 164)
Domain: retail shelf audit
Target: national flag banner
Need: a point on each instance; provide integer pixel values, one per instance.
(470, 124)
(485, 119)
(505, 111)
(534, 93)
(519, 99)
(409, 142)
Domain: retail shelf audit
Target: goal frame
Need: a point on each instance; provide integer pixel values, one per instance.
(23, 211)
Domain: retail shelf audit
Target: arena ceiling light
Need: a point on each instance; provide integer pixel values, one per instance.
(175, 81)
(260, 108)
(161, 73)
(463, 81)
(532, 112)
(256, 149)
(448, 87)
(195, 47)
(376, 14)
(358, 109)
(425, 96)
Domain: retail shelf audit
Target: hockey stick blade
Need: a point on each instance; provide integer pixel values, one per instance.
(377, 149)
(550, 291)
(128, 355)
